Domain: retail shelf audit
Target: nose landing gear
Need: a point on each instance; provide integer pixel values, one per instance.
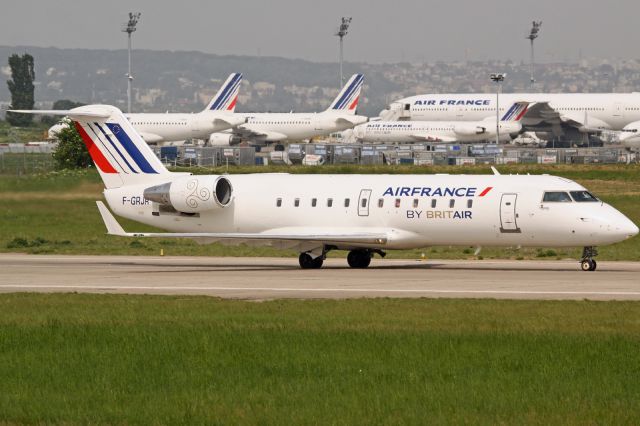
(588, 263)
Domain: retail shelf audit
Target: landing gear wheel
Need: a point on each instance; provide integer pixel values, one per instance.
(588, 262)
(359, 258)
(588, 265)
(307, 262)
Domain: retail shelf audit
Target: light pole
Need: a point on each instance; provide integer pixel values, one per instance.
(498, 78)
(342, 31)
(535, 29)
(129, 28)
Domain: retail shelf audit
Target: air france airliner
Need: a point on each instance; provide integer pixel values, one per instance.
(442, 131)
(561, 114)
(364, 214)
(261, 129)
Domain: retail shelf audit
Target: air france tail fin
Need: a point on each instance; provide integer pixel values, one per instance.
(347, 99)
(121, 156)
(516, 112)
(227, 96)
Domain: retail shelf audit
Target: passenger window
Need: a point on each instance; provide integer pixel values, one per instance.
(469, 204)
(380, 202)
(397, 203)
(329, 202)
(415, 203)
(452, 203)
(346, 202)
(433, 203)
(296, 202)
(556, 197)
(279, 202)
(583, 196)
(314, 201)
(364, 202)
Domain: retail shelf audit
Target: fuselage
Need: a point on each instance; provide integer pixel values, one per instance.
(445, 131)
(414, 210)
(603, 110)
(179, 126)
(298, 126)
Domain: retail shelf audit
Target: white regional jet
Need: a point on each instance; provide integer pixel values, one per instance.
(562, 114)
(442, 131)
(265, 128)
(217, 116)
(364, 214)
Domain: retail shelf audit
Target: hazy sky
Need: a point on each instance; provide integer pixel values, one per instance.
(381, 31)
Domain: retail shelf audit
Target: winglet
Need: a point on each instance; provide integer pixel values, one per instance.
(113, 227)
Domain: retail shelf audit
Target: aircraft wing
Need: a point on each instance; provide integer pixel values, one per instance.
(287, 237)
(352, 120)
(246, 132)
(229, 122)
(431, 137)
(151, 137)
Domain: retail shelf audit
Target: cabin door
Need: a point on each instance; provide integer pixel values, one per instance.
(508, 213)
(363, 202)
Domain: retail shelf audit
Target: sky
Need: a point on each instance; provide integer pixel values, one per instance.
(381, 31)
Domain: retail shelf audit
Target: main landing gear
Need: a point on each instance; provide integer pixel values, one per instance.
(357, 258)
(588, 262)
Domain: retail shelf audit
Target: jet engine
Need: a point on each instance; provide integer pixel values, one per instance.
(467, 129)
(223, 139)
(192, 194)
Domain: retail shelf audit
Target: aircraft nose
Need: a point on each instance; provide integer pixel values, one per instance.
(625, 228)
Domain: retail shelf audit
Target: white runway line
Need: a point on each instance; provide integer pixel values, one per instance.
(319, 290)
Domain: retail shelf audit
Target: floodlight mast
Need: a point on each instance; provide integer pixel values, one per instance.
(498, 78)
(130, 28)
(342, 31)
(535, 29)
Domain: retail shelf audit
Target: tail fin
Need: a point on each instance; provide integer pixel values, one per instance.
(516, 112)
(347, 99)
(227, 96)
(121, 156)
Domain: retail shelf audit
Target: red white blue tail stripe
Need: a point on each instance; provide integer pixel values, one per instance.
(349, 96)
(516, 112)
(227, 96)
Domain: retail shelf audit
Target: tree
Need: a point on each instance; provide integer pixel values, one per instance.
(71, 152)
(21, 88)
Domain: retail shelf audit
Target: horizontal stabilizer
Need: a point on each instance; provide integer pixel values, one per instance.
(67, 112)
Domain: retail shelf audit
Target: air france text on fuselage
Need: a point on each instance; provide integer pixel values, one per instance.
(472, 102)
(426, 191)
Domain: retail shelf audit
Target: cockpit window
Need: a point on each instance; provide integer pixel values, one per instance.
(583, 196)
(556, 197)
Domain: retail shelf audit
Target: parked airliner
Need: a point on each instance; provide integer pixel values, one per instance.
(561, 114)
(364, 214)
(442, 131)
(266, 128)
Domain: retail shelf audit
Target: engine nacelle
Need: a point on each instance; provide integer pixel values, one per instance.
(223, 139)
(467, 129)
(193, 194)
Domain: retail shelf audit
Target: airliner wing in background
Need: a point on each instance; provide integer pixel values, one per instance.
(432, 137)
(150, 137)
(245, 132)
(543, 114)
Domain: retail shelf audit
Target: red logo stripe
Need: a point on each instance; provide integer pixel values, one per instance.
(353, 105)
(232, 104)
(486, 190)
(97, 157)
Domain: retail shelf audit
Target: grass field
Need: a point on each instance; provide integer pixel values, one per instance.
(93, 359)
(56, 213)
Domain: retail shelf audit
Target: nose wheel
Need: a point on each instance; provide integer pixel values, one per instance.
(588, 263)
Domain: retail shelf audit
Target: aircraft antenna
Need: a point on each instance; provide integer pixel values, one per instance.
(130, 28)
(535, 30)
(342, 31)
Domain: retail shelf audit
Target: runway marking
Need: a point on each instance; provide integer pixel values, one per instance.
(320, 290)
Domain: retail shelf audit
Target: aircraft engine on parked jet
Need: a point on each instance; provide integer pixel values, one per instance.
(223, 139)
(466, 129)
(192, 194)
